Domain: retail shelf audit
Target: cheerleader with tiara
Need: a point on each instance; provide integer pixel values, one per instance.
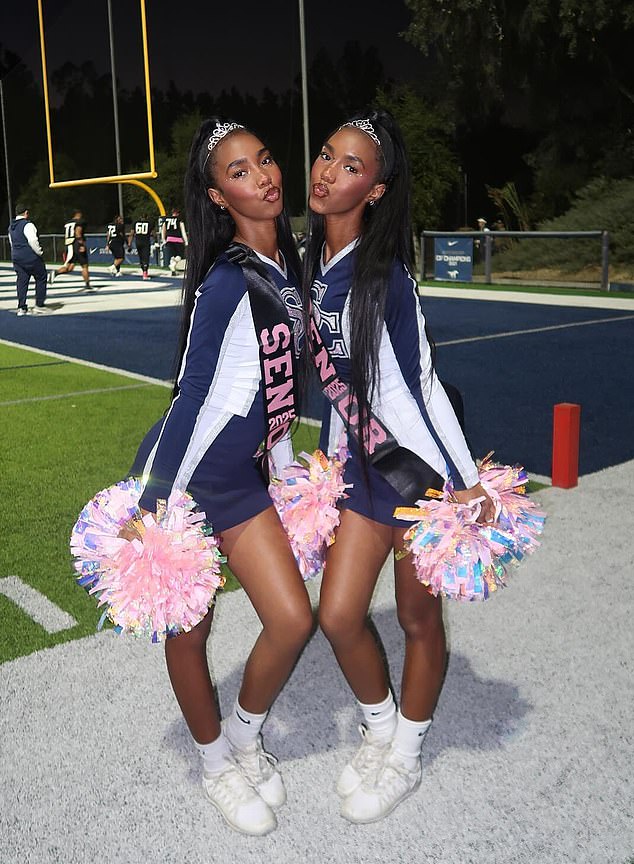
(368, 337)
(231, 342)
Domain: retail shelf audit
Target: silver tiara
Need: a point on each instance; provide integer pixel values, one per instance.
(219, 133)
(364, 126)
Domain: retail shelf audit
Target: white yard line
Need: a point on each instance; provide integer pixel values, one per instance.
(36, 605)
(136, 375)
(73, 394)
(507, 333)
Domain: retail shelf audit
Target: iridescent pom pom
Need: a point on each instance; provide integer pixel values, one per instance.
(305, 497)
(159, 585)
(461, 559)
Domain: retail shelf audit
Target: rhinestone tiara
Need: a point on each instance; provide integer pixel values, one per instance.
(364, 126)
(219, 132)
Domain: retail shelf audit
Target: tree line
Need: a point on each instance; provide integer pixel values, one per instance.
(535, 97)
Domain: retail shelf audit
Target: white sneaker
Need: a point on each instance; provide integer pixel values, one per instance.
(365, 762)
(22, 310)
(118, 274)
(42, 310)
(112, 269)
(258, 767)
(370, 802)
(238, 803)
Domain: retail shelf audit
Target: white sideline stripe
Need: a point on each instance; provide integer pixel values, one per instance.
(74, 393)
(127, 374)
(536, 330)
(578, 301)
(36, 605)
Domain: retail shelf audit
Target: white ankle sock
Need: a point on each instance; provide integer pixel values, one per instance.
(381, 718)
(215, 755)
(409, 738)
(242, 727)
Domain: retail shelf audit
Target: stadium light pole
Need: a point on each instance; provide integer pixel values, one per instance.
(6, 151)
(115, 106)
(302, 49)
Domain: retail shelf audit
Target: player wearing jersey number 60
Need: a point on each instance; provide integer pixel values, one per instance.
(367, 313)
(206, 445)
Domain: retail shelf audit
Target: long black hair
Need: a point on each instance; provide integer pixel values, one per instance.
(211, 229)
(386, 237)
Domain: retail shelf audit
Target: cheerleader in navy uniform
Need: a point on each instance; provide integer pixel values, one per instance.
(367, 314)
(206, 444)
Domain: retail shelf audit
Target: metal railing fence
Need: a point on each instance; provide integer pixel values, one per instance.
(487, 239)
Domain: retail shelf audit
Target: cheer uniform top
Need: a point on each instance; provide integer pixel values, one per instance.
(409, 399)
(207, 440)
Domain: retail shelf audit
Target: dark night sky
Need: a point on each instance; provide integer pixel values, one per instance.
(207, 45)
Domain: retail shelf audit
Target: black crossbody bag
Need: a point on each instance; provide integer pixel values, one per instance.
(404, 470)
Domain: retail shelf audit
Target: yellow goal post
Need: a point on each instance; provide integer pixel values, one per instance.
(136, 179)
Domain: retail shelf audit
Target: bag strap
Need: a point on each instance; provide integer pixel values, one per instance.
(274, 330)
(403, 469)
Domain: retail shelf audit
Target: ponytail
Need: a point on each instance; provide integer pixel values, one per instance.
(385, 237)
(211, 229)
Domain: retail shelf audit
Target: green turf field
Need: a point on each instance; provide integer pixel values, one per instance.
(66, 431)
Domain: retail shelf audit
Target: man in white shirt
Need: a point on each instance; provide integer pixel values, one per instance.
(27, 257)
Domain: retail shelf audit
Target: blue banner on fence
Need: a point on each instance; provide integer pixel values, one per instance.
(453, 259)
(98, 252)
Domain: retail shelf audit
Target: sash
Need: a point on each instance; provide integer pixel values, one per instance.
(404, 470)
(274, 330)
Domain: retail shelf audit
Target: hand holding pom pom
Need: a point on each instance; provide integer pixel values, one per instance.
(155, 575)
(305, 498)
(456, 552)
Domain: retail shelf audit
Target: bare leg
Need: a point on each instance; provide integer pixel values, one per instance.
(85, 274)
(186, 658)
(259, 554)
(352, 569)
(420, 616)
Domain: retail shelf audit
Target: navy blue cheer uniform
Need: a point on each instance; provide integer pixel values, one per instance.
(206, 442)
(408, 398)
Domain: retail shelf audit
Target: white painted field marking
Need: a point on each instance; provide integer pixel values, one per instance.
(73, 394)
(535, 330)
(36, 605)
(124, 372)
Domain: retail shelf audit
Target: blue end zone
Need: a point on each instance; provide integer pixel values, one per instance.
(510, 384)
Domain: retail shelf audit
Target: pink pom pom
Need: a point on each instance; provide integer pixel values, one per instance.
(159, 585)
(462, 559)
(305, 498)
